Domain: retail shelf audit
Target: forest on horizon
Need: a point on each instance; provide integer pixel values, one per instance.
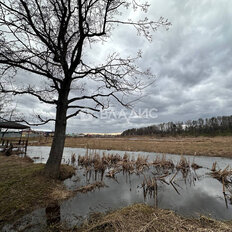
(220, 125)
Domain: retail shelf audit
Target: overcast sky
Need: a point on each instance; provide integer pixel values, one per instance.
(192, 62)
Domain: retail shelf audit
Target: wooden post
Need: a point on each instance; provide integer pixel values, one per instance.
(26, 147)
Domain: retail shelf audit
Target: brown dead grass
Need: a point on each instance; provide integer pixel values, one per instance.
(91, 187)
(209, 146)
(223, 175)
(24, 188)
(142, 218)
(215, 146)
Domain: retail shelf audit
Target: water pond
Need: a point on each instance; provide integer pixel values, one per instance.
(191, 193)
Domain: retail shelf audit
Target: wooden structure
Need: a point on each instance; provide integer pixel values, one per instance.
(9, 145)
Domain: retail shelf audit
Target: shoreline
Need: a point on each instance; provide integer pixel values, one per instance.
(27, 196)
(220, 146)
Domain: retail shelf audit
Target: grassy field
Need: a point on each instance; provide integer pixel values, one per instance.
(24, 188)
(208, 146)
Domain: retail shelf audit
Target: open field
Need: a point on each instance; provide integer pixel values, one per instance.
(208, 146)
(24, 188)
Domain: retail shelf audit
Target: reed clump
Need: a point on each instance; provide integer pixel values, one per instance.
(111, 159)
(141, 162)
(106, 159)
(195, 166)
(149, 186)
(73, 158)
(214, 166)
(183, 164)
(113, 163)
(85, 160)
(128, 166)
(111, 173)
(224, 176)
(163, 162)
(126, 157)
(99, 167)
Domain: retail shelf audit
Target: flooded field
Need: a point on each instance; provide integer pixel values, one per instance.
(106, 180)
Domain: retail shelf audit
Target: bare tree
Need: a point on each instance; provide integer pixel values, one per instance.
(48, 38)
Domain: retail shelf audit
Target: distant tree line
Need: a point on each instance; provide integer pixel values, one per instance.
(221, 125)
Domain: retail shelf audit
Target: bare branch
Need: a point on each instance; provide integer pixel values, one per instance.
(28, 123)
(29, 91)
(80, 111)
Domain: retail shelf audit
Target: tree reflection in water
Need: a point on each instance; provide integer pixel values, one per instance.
(53, 216)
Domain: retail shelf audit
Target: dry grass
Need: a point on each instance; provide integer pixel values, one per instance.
(23, 187)
(142, 218)
(163, 162)
(209, 146)
(195, 165)
(214, 166)
(91, 187)
(183, 164)
(59, 194)
(94, 163)
(112, 163)
(73, 158)
(149, 186)
(66, 171)
(223, 175)
(112, 172)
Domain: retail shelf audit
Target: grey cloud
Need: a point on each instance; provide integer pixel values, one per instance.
(192, 62)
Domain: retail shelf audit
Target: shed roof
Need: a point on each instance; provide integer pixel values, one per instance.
(13, 125)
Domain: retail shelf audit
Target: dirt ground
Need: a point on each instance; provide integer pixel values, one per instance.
(203, 146)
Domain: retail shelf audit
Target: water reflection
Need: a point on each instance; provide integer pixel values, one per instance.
(53, 216)
(189, 191)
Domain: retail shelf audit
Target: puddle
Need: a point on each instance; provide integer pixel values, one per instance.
(190, 195)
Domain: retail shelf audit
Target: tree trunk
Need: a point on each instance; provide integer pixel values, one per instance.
(52, 168)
